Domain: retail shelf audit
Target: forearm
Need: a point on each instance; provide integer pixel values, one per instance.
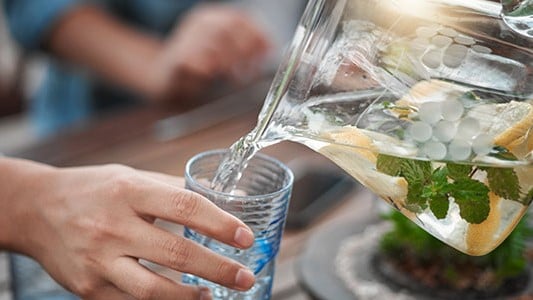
(90, 37)
(20, 185)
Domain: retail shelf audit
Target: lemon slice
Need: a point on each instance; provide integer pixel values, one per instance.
(430, 91)
(510, 124)
(354, 151)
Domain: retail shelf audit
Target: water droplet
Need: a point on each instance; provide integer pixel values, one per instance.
(430, 112)
(420, 131)
(483, 144)
(454, 55)
(445, 131)
(459, 149)
(435, 150)
(441, 41)
(468, 128)
(432, 59)
(464, 40)
(452, 110)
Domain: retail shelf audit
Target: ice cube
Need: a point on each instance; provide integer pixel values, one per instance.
(435, 150)
(468, 128)
(445, 131)
(483, 144)
(452, 109)
(459, 149)
(448, 32)
(482, 49)
(426, 32)
(430, 112)
(464, 40)
(441, 41)
(420, 131)
(432, 59)
(454, 55)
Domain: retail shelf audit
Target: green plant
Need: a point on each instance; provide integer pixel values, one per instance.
(412, 249)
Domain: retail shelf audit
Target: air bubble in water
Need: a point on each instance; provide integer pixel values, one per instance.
(445, 131)
(452, 109)
(430, 112)
(459, 149)
(420, 131)
(435, 150)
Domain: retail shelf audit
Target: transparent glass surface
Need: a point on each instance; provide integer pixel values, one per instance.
(428, 103)
(261, 200)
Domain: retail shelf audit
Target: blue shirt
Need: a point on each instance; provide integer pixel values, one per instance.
(67, 95)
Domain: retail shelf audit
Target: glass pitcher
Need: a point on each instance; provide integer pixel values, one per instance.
(518, 14)
(428, 103)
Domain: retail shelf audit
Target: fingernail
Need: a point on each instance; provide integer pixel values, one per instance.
(205, 293)
(244, 237)
(245, 279)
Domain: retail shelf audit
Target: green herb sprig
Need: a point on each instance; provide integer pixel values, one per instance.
(434, 188)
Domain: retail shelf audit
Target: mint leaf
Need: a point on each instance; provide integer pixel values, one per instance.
(502, 153)
(411, 170)
(504, 182)
(436, 193)
(457, 171)
(415, 202)
(472, 197)
(417, 173)
(389, 165)
(439, 205)
(416, 170)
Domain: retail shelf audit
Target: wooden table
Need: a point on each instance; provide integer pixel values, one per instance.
(131, 138)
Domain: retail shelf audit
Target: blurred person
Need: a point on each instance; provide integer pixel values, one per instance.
(89, 226)
(160, 50)
(103, 54)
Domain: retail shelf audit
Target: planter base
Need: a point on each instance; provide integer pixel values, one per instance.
(340, 263)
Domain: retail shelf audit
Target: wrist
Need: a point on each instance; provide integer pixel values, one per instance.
(22, 185)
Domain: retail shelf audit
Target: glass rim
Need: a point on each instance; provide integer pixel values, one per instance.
(203, 189)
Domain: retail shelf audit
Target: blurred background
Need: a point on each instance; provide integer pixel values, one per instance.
(22, 72)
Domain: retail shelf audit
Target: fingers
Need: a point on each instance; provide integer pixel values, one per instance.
(192, 210)
(184, 255)
(129, 276)
(221, 39)
(168, 179)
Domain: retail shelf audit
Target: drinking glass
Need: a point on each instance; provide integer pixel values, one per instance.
(428, 103)
(260, 200)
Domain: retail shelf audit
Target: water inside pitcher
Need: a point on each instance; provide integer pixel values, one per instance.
(427, 103)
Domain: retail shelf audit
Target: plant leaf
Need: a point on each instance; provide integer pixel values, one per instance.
(416, 170)
(415, 202)
(389, 165)
(439, 205)
(504, 183)
(457, 171)
(472, 197)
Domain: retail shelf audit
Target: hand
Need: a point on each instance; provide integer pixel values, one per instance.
(212, 42)
(89, 226)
